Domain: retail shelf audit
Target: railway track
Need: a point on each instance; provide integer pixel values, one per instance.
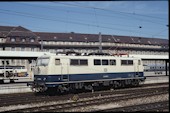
(83, 103)
(157, 106)
(28, 98)
(60, 107)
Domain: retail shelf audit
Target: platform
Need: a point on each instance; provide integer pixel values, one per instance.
(14, 88)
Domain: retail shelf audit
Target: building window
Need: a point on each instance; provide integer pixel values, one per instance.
(22, 61)
(32, 49)
(23, 40)
(12, 48)
(22, 48)
(12, 39)
(70, 38)
(32, 40)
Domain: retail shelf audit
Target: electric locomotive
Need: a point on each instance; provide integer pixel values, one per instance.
(67, 72)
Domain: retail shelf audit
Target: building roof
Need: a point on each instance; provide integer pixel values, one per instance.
(12, 31)
(8, 31)
(78, 37)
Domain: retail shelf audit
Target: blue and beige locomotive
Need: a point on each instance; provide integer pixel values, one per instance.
(67, 72)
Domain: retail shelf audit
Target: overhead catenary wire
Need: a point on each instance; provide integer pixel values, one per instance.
(133, 14)
(110, 10)
(97, 23)
(45, 29)
(89, 24)
(61, 20)
(157, 34)
(105, 15)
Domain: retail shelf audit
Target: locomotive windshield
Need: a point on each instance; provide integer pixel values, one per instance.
(42, 61)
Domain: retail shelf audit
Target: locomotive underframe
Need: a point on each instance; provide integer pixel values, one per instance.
(70, 86)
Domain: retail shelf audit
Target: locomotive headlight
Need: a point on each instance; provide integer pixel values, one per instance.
(44, 79)
(39, 79)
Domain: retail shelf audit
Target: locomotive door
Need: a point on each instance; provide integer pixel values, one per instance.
(136, 68)
(65, 72)
(61, 69)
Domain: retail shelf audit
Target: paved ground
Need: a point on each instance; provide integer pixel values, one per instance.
(157, 79)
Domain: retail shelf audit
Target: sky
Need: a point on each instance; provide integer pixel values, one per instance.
(126, 18)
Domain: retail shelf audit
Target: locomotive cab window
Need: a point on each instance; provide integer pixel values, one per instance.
(42, 61)
(57, 61)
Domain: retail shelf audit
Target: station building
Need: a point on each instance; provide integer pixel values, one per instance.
(18, 38)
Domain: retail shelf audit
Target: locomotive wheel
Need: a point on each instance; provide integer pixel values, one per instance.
(60, 89)
(123, 84)
(115, 84)
(135, 82)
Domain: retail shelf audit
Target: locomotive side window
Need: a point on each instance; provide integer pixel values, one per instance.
(83, 62)
(112, 62)
(97, 62)
(57, 61)
(105, 62)
(123, 62)
(126, 62)
(78, 62)
(130, 62)
(74, 62)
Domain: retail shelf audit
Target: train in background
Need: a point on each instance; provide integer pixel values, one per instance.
(155, 69)
(9, 74)
(66, 72)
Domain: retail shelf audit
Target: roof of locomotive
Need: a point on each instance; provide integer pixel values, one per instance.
(91, 56)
